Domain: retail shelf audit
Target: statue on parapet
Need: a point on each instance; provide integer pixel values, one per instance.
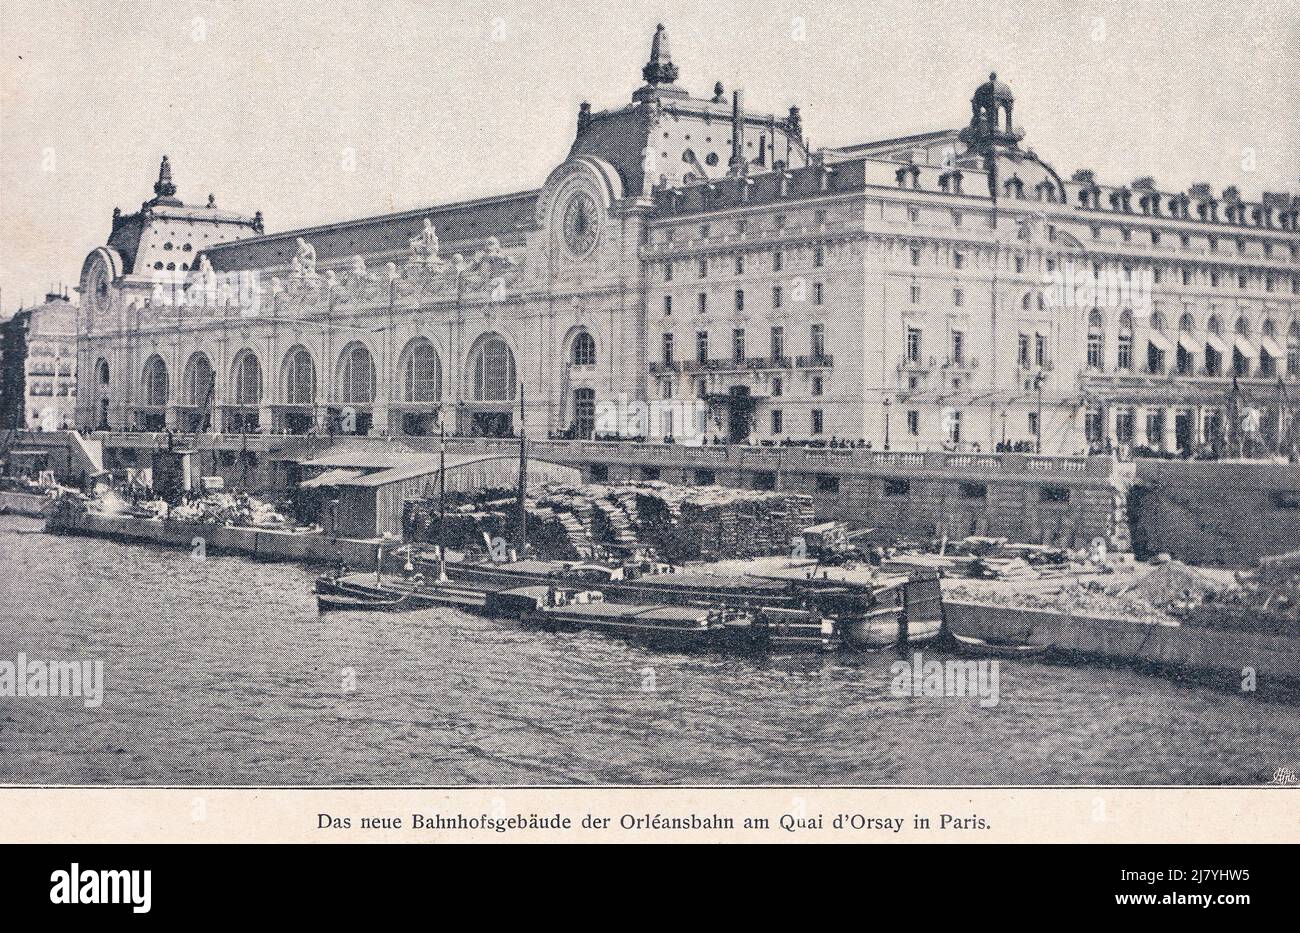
(304, 264)
(424, 248)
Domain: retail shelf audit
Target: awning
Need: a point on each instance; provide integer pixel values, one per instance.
(1244, 348)
(1269, 346)
(1159, 341)
(1188, 342)
(331, 478)
(1216, 342)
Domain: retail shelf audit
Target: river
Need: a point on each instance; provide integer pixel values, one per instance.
(219, 671)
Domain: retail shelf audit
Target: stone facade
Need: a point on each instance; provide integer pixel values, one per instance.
(38, 366)
(917, 293)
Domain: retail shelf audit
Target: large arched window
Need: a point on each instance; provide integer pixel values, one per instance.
(356, 380)
(494, 371)
(421, 373)
(153, 387)
(102, 374)
(299, 378)
(196, 382)
(584, 350)
(246, 380)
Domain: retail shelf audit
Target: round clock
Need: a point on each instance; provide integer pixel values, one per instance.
(581, 224)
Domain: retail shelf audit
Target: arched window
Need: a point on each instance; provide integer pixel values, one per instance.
(494, 372)
(356, 380)
(299, 378)
(1293, 350)
(101, 370)
(1242, 328)
(1214, 326)
(1157, 322)
(1267, 330)
(584, 350)
(1186, 324)
(1096, 341)
(422, 374)
(196, 382)
(246, 379)
(1095, 320)
(154, 387)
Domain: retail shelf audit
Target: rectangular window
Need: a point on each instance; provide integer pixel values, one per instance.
(668, 304)
(817, 340)
(776, 421)
(740, 299)
(738, 345)
(668, 349)
(1040, 350)
(954, 426)
(702, 303)
(780, 221)
(816, 426)
(1093, 425)
(778, 343)
(819, 257)
(702, 346)
(740, 264)
(916, 256)
(957, 297)
(916, 294)
(668, 271)
(1094, 351)
(1124, 426)
(778, 261)
(1020, 264)
(898, 487)
(776, 296)
(703, 267)
(817, 385)
(958, 260)
(1125, 354)
(1033, 423)
(817, 293)
(1022, 351)
(913, 422)
(778, 386)
(958, 348)
(914, 345)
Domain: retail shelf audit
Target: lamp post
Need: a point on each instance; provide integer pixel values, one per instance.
(1004, 428)
(888, 404)
(1038, 418)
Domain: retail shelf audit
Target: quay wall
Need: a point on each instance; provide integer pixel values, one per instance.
(1272, 658)
(1229, 513)
(25, 503)
(308, 548)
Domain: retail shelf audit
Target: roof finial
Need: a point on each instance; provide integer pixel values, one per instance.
(660, 69)
(164, 187)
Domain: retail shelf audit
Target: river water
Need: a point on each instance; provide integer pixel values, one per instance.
(220, 671)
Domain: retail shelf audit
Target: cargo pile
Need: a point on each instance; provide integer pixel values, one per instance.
(237, 510)
(675, 523)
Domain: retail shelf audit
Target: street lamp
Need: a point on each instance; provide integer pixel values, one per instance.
(1039, 379)
(888, 403)
(1004, 428)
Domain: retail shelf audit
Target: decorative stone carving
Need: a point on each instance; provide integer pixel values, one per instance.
(305, 260)
(424, 248)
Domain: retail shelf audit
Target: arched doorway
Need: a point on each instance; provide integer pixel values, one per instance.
(298, 413)
(151, 414)
(242, 416)
(197, 391)
(101, 395)
(356, 384)
(493, 386)
(421, 387)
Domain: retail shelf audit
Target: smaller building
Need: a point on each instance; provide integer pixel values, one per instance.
(361, 494)
(38, 369)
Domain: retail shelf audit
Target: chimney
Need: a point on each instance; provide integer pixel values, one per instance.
(739, 165)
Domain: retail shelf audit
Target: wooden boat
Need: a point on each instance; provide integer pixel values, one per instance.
(337, 602)
(557, 608)
(972, 647)
(862, 616)
(400, 594)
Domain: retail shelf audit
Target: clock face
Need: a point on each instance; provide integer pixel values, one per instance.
(99, 294)
(581, 224)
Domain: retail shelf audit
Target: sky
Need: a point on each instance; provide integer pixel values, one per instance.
(320, 111)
